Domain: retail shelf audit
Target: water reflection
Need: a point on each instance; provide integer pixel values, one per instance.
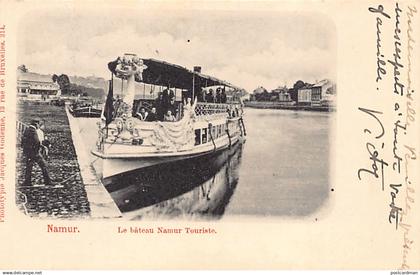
(285, 167)
(196, 187)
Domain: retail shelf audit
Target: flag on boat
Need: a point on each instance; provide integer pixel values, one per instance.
(108, 113)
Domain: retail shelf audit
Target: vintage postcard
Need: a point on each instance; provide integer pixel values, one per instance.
(209, 135)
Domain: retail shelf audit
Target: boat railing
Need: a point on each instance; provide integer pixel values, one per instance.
(208, 109)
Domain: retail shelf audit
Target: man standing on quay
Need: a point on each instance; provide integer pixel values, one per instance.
(31, 150)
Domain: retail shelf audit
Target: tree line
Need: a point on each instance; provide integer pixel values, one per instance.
(70, 89)
(274, 95)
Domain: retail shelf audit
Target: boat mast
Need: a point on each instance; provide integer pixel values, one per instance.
(193, 87)
(122, 87)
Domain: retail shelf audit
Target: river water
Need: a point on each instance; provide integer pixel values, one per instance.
(282, 169)
(285, 163)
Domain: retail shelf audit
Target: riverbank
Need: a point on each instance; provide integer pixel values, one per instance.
(84, 135)
(69, 200)
(80, 193)
(279, 105)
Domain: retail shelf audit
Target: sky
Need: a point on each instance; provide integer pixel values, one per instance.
(248, 49)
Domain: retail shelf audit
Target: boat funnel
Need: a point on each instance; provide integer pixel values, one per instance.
(197, 69)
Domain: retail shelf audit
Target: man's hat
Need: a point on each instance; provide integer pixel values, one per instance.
(34, 122)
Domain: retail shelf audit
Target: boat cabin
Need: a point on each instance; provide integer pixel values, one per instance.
(161, 87)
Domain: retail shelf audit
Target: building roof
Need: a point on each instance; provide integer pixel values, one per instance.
(281, 90)
(36, 81)
(307, 86)
(322, 83)
(44, 86)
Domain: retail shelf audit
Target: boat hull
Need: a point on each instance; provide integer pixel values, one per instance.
(118, 165)
(201, 185)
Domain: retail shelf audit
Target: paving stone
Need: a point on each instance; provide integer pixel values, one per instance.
(70, 201)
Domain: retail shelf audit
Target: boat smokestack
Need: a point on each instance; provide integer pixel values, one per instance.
(197, 69)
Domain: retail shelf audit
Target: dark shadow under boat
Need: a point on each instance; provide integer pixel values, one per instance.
(199, 186)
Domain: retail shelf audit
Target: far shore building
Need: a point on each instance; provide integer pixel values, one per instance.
(321, 93)
(36, 87)
(283, 95)
(305, 95)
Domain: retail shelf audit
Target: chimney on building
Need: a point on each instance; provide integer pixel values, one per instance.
(197, 69)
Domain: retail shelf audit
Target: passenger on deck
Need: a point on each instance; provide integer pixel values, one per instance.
(169, 116)
(210, 96)
(152, 116)
(223, 97)
(218, 95)
(165, 100)
(142, 115)
(171, 94)
(201, 95)
(159, 107)
(172, 107)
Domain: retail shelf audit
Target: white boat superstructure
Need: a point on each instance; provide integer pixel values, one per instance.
(130, 144)
(127, 143)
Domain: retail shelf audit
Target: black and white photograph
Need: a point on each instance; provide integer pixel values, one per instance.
(193, 115)
(209, 135)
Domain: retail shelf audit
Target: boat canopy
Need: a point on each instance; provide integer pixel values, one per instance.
(162, 73)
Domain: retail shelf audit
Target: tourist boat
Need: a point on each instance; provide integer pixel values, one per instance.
(85, 108)
(127, 143)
